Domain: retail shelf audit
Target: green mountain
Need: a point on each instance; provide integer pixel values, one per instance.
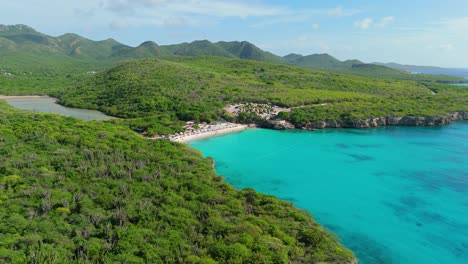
(318, 61)
(24, 48)
(197, 48)
(147, 49)
(376, 70)
(15, 29)
(233, 49)
(21, 39)
(246, 50)
(79, 47)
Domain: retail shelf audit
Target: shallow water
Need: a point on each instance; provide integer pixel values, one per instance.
(393, 195)
(48, 105)
(460, 84)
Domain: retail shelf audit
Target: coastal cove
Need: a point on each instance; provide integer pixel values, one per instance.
(45, 104)
(392, 194)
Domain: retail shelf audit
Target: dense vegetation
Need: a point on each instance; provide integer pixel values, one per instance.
(72, 191)
(180, 88)
(375, 70)
(25, 51)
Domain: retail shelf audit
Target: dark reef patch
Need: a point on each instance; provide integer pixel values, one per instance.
(360, 157)
(342, 146)
(412, 201)
(277, 182)
(366, 146)
(456, 180)
(367, 249)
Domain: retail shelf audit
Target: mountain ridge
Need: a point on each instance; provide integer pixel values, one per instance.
(23, 43)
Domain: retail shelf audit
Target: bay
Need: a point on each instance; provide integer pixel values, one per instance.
(393, 195)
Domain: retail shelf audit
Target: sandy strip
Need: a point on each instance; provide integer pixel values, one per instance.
(209, 134)
(23, 97)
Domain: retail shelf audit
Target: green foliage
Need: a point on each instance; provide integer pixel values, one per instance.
(43, 64)
(93, 192)
(165, 91)
(327, 62)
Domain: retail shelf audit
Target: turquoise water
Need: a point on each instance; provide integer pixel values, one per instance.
(393, 195)
(460, 84)
(49, 105)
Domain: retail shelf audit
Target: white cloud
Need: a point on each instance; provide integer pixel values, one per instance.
(384, 21)
(180, 13)
(315, 26)
(364, 24)
(280, 20)
(340, 11)
(215, 8)
(367, 23)
(304, 15)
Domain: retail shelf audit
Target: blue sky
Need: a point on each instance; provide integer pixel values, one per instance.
(412, 32)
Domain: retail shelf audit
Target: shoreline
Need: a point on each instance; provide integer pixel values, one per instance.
(2, 97)
(209, 134)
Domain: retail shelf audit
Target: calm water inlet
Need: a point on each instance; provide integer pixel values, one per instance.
(49, 105)
(460, 84)
(393, 195)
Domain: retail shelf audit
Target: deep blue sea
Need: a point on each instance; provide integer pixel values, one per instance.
(393, 195)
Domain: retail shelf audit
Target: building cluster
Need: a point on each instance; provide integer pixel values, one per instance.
(265, 111)
(5, 72)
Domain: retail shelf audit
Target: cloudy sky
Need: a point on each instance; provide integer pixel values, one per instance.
(423, 32)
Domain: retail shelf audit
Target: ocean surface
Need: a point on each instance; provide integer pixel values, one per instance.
(393, 195)
(48, 105)
(451, 72)
(460, 84)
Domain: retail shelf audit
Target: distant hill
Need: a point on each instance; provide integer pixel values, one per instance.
(320, 61)
(25, 48)
(328, 62)
(197, 48)
(22, 39)
(247, 50)
(145, 50)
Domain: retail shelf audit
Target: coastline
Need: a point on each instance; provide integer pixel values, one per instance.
(209, 134)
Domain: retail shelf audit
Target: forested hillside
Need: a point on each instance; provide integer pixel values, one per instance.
(77, 192)
(24, 51)
(199, 87)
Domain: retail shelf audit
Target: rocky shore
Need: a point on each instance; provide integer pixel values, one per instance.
(375, 122)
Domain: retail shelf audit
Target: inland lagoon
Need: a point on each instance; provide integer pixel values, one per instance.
(393, 195)
(49, 105)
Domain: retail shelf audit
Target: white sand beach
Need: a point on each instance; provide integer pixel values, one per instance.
(206, 133)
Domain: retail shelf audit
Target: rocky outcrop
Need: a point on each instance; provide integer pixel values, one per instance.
(280, 124)
(388, 121)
